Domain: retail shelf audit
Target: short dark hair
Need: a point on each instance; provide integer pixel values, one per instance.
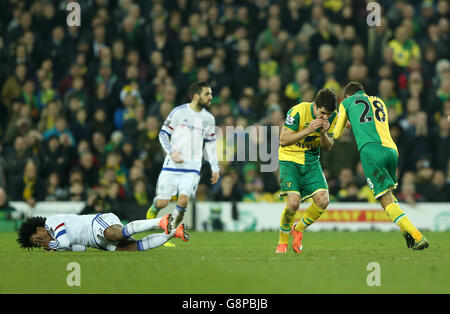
(326, 98)
(352, 88)
(28, 228)
(197, 87)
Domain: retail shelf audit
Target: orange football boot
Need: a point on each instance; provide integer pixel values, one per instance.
(165, 223)
(281, 248)
(181, 232)
(297, 241)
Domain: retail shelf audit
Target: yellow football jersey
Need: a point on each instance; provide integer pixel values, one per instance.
(308, 149)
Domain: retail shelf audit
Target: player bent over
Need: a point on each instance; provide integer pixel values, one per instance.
(188, 131)
(67, 232)
(378, 153)
(308, 128)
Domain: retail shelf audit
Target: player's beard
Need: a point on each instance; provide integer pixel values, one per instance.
(206, 104)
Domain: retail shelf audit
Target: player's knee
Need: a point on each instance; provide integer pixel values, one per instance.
(293, 204)
(183, 201)
(322, 200)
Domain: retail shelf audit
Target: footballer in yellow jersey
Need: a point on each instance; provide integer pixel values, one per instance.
(308, 128)
(370, 125)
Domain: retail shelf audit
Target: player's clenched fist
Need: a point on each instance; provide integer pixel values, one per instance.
(176, 156)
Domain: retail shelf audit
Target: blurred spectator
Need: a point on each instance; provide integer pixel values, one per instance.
(349, 194)
(77, 191)
(404, 47)
(28, 188)
(128, 153)
(438, 190)
(89, 166)
(386, 91)
(344, 179)
(46, 93)
(344, 155)
(95, 204)
(98, 142)
(80, 127)
(54, 189)
(15, 162)
(442, 144)
(101, 123)
(62, 131)
(229, 190)
(424, 174)
(295, 89)
(13, 86)
(322, 36)
(148, 138)
(54, 157)
(245, 73)
(140, 194)
(219, 76)
(409, 195)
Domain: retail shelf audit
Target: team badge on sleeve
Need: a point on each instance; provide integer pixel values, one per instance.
(289, 120)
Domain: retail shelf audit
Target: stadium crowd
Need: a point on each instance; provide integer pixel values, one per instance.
(81, 107)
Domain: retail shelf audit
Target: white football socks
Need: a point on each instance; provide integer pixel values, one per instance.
(177, 214)
(154, 240)
(140, 226)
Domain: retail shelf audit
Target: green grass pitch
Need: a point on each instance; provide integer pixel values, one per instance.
(237, 263)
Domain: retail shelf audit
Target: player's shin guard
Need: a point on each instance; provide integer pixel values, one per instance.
(398, 216)
(311, 214)
(287, 218)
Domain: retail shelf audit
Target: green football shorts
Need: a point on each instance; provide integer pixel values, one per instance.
(380, 166)
(305, 180)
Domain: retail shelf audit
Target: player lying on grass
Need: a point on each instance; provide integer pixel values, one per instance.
(369, 121)
(101, 231)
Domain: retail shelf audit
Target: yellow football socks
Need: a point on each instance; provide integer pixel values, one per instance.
(398, 216)
(311, 214)
(287, 218)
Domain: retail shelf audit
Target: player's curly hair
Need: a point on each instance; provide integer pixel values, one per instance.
(326, 98)
(27, 228)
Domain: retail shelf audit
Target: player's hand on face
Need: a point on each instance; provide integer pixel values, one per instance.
(325, 126)
(215, 177)
(315, 124)
(176, 156)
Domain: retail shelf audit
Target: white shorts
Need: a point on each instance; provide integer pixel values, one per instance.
(170, 183)
(99, 224)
